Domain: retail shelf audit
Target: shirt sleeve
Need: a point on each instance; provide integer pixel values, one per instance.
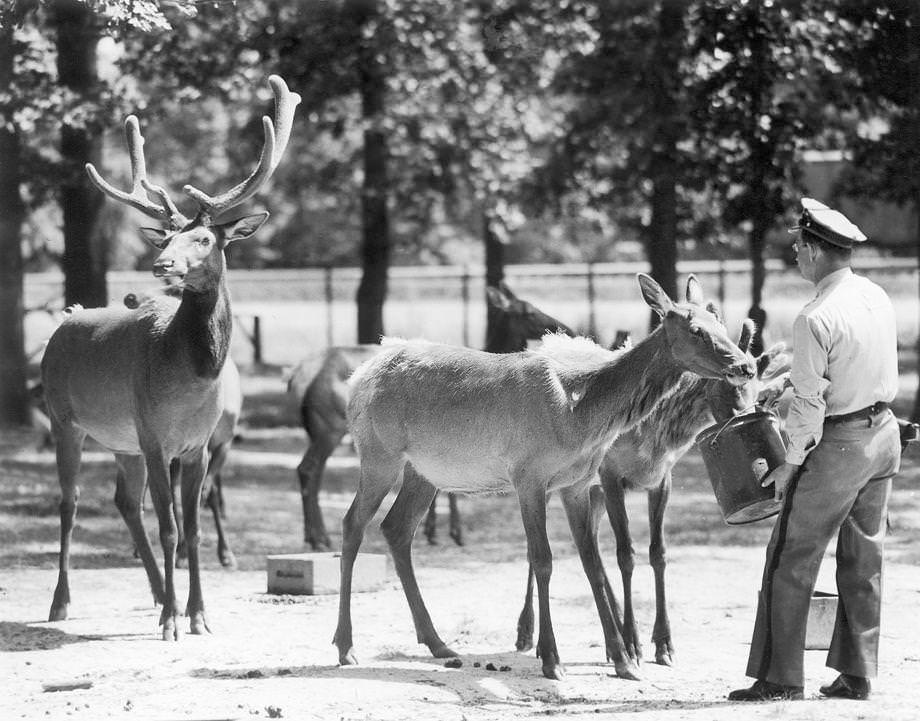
(805, 420)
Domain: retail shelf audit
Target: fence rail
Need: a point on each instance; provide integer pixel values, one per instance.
(282, 314)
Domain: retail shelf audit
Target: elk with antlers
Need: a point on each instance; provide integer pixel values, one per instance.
(218, 449)
(319, 384)
(145, 383)
(462, 420)
(642, 458)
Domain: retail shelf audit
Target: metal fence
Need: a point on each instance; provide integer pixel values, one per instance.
(283, 314)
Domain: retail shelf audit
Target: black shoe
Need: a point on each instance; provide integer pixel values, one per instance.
(767, 691)
(848, 686)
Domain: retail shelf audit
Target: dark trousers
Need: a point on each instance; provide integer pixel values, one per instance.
(842, 489)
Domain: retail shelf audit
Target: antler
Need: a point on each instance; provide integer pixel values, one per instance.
(276, 140)
(138, 198)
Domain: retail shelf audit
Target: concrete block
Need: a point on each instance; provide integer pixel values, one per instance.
(317, 573)
(822, 613)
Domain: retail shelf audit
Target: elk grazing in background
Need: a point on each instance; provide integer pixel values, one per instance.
(218, 450)
(442, 417)
(319, 384)
(642, 458)
(146, 383)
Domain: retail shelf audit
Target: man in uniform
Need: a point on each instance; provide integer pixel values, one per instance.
(843, 449)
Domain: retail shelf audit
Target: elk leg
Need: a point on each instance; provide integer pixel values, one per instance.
(175, 483)
(661, 633)
(456, 530)
(533, 513)
(310, 474)
(68, 450)
(224, 552)
(431, 521)
(130, 484)
(583, 518)
(161, 494)
(379, 473)
(524, 640)
(194, 467)
(626, 559)
(213, 494)
(399, 526)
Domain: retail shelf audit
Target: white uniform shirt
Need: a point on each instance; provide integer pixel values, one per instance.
(845, 357)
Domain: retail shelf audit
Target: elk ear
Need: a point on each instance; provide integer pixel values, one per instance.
(654, 294)
(694, 291)
(155, 236)
(747, 335)
(496, 298)
(242, 228)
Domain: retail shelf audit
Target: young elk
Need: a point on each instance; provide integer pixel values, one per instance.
(462, 420)
(319, 385)
(642, 458)
(146, 383)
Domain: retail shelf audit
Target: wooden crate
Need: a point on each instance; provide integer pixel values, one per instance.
(318, 573)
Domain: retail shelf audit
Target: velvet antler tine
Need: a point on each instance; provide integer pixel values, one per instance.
(137, 198)
(214, 205)
(285, 104)
(276, 134)
(176, 218)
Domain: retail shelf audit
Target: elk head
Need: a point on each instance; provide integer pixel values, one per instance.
(193, 250)
(518, 322)
(696, 336)
(727, 400)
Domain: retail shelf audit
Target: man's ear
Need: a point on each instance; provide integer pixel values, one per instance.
(242, 228)
(154, 236)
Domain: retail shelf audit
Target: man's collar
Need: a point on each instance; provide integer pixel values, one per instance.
(833, 278)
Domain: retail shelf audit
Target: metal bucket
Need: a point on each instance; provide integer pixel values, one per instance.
(738, 454)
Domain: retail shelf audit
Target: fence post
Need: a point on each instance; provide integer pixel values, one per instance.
(722, 275)
(592, 330)
(465, 295)
(257, 340)
(327, 293)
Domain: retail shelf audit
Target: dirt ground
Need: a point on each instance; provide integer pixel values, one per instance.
(270, 656)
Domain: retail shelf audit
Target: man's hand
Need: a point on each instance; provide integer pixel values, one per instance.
(780, 477)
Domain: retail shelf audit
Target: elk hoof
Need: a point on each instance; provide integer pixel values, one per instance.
(198, 624)
(627, 670)
(58, 612)
(554, 671)
(227, 559)
(664, 654)
(171, 629)
(348, 659)
(443, 651)
(524, 642)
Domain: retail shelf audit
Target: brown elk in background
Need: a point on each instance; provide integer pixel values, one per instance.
(319, 384)
(145, 383)
(456, 419)
(643, 458)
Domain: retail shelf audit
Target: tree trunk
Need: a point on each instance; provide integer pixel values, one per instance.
(84, 262)
(915, 414)
(757, 243)
(495, 266)
(375, 246)
(665, 85)
(14, 396)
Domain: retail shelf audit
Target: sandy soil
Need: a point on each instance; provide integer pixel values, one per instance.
(270, 656)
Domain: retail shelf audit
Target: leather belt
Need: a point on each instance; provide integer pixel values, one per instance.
(866, 413)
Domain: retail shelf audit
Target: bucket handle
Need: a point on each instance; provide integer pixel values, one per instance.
(712, 441)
